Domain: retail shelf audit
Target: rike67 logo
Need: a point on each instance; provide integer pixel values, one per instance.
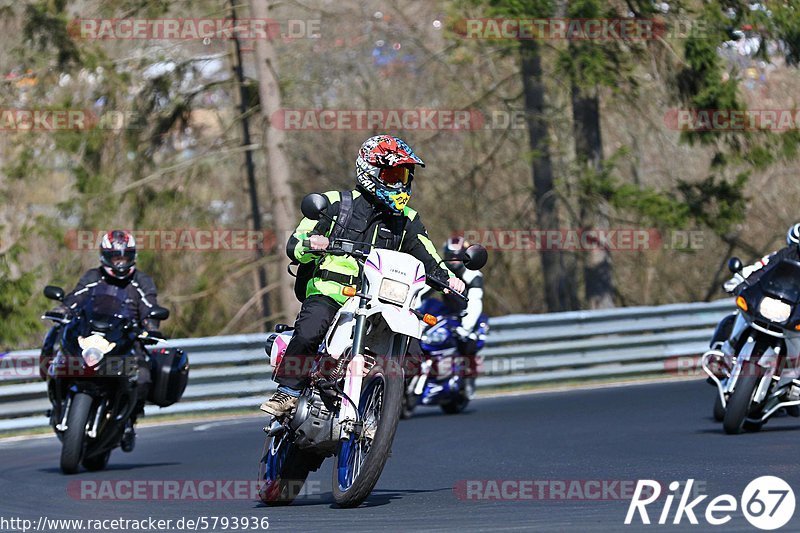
(767, 503)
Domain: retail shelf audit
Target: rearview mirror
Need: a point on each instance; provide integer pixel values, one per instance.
(159, 313)
(52, 292)
(735, 265)
(313, 205)
(475, 257)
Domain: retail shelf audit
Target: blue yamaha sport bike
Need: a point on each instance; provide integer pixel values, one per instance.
(443, 376)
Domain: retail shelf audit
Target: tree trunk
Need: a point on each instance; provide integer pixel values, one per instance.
(284, 212)
(260, 275)
(558, 269)
(598, 271)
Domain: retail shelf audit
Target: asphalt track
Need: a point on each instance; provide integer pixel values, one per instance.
(650, 431)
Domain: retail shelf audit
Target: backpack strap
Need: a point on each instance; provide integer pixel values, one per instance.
(345, 213)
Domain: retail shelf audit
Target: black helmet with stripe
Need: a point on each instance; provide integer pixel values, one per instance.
(118, 254)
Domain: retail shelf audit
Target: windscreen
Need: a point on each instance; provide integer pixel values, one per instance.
(783, 281)
(107, 302)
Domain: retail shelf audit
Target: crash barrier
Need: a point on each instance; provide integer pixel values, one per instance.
(232, 371)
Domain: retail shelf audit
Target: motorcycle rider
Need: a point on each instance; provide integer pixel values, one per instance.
(466, 333)
(453, 250)
(722, 335)
(117, 269)
(379, 214)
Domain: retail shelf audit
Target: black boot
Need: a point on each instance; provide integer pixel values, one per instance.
(128, 442)
(129, 436)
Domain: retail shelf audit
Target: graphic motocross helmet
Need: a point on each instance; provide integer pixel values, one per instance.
(118, 254)
(385, 168)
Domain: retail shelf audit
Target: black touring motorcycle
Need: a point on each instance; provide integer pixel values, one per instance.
(759, 374)
(92, 377)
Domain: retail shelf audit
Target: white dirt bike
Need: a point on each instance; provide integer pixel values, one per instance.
(351, 408)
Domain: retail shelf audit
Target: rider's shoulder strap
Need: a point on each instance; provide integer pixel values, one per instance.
(345, 213)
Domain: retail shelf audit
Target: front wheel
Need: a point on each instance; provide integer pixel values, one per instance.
(461, 400)
(97, 462)
(360, 461)
(740, 402)
(283, 470)
(409, 401)
(73, 442)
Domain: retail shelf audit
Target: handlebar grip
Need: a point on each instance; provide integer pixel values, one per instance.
(56, 317)
(442, 286)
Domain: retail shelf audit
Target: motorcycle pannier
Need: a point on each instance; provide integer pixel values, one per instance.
(170, 374)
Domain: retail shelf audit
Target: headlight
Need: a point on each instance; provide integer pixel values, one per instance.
(393, 291)
(775, 310)
(435, 336)
(92, 356)
(94, 348)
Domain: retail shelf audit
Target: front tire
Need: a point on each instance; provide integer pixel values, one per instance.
(461, 401)
(73, 442)
(283, 471)
(409, 401)
(455, 406)
(740, 402)
(356, 471)
(97, 462)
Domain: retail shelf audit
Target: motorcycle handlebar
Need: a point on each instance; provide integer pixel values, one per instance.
(361, 254)
(56, 317)
(444, 287)
(337, 247)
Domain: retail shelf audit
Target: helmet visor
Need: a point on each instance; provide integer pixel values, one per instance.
(119, 260)
(395, 176)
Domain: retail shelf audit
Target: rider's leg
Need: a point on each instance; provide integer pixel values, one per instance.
(48, 350)
(312, 323)
(467, 349)
(723, 331)
(143, 382)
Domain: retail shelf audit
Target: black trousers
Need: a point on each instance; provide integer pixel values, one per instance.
(316, 315)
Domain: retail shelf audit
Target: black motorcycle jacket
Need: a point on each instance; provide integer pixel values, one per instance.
(140, 294)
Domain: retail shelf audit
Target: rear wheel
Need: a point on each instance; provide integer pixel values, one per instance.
(360, 461)
(73, 442)
(740, 402)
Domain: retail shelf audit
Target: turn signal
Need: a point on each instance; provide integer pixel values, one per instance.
(797, 327)
(349, 291)
(741, 303)
(429, 319)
